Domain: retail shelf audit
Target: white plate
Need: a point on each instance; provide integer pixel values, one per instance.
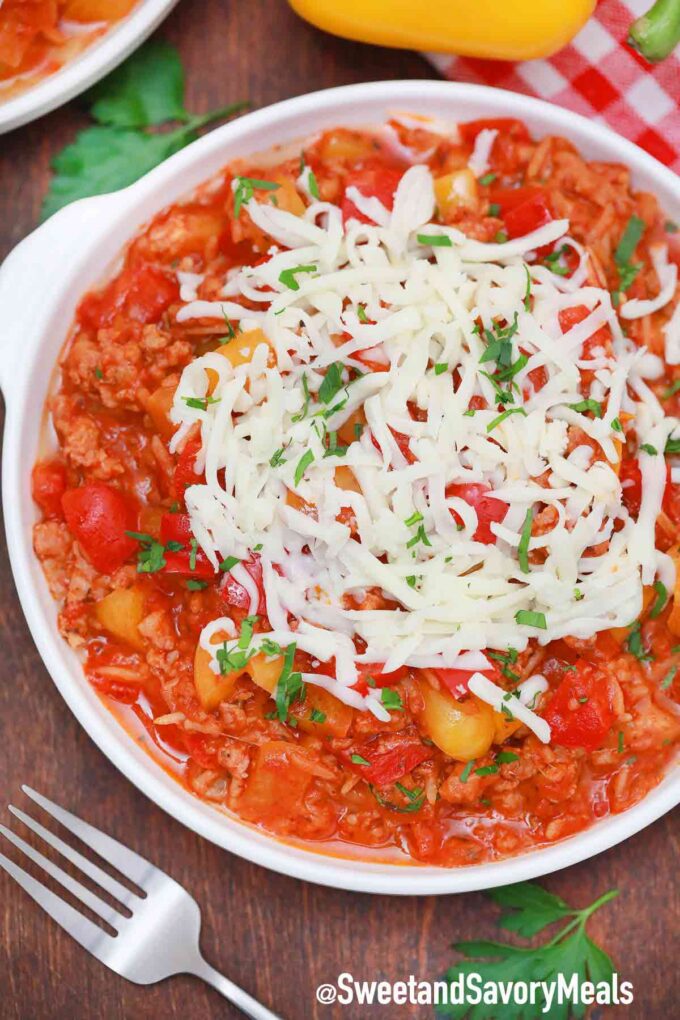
(87, 68)
(40, 285)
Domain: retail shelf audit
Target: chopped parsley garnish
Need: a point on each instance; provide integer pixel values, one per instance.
(525, 538)
(356, 759)
(277, 457)
(669, 678)
(672, 446)
(672, 390)
(194, 585)
(486, 179)
(391, 700)
(440, 368)
(660, 601)
(358, 429)
(648, 448)
(420, 536)
(151, 556)
(616, 425)
(552, 261)
(505, 757)
(494, 209)
(506, 659)
(435, 240)
(620, 742)
(246, 635)
(98, 373)
(501, 237)
(578, 595)
(415, 797)
(230, 661)
(301, 415)
(302, 465)
(486, 770)
(634, 644)
(527, 290)
(193, 546)
(628, 270)
(411, 580)
(589, 405)
(200, 403)
(415, 518)
(288, 277)
(505, 414)
(228, 564)
(465, 774)
(312, 184)
(289, 686)
(333, 449)
(317, 716)
(531, 619)
(332, 382)
(246, 188)
(361, 313)
(270, 647)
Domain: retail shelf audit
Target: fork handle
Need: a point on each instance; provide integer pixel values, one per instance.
(251, 1007)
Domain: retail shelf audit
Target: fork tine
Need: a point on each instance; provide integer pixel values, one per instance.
(78, 927)
(99, 907)
(130, 864)
(121, 893)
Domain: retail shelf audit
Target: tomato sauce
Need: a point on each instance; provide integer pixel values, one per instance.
(135, 592)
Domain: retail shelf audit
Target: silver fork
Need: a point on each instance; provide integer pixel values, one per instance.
(158, 940)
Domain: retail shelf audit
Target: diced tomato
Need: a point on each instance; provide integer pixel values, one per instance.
(373, 182)
(402, 442)
(141, 292)
(98, 516)
(389, 755)
(509, 198)
(631, 489)
(185, 471)
(48, 485)
(176, 528)
(180, 563)
(489, 510)
(234, 594)
(570, 317)
(456, 680)
(379, 679)
(527, 216)
(504, 125)
(580, 713)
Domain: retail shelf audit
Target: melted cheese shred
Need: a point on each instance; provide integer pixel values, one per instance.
(406, 295)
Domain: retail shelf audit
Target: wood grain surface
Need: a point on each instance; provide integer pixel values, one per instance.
(277, 937)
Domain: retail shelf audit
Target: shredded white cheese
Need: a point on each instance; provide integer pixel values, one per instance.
(340, 296)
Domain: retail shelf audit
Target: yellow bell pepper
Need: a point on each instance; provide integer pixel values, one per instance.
(496, 29)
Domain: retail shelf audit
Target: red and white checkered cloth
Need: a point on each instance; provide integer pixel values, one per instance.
(599, 76)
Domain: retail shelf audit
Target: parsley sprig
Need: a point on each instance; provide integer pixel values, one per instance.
(571, 951)
(146, 92)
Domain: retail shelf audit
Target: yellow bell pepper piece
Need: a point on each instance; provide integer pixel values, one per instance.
(508, 30)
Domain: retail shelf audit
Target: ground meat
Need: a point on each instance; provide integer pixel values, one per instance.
(53, 546)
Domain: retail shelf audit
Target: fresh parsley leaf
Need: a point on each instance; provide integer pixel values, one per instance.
(628, 270)
(317, 716)
(356, 759)
(288, 277)
(487, 179)
(290, 686)
(505, 414)
(531, 619)
(635, 646)
(415, 797)
(228, 564)
(391, 700)
(435, 240)
(332, 382)
(571, 951)
(147, 89)
(524, 539)
(648, 448)
(589, 405)
(193, 585)
(302, 465)
(660, 601)
(465, 774)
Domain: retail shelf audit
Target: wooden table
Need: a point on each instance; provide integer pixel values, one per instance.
(277, 937)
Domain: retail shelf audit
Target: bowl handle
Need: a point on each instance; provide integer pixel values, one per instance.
(36, 269)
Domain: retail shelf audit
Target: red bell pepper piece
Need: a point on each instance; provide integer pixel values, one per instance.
(489, 509)
(98, 516)
(402, 442)
(390, 756)
(380, 679)
(142, 293)
(180, 562)
(176, 528)
(580, 712)
(570, 317)
(528, 216)
(185, 470)
(456, 680)
(48, 485)
(235, 595)
(373, 182)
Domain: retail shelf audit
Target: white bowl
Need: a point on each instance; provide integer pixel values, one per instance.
(40, 284)
(87, 68)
